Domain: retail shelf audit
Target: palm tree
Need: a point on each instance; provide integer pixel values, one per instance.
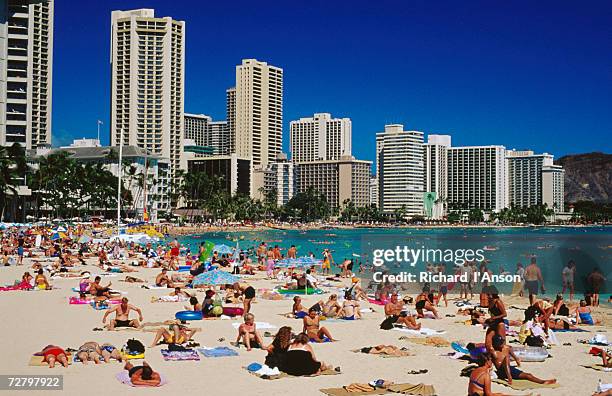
(13, 169)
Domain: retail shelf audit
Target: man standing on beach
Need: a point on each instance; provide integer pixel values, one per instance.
(567, 274)
(292, 252)
(533, 275)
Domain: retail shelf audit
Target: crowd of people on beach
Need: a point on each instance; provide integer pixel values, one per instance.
(55, 255)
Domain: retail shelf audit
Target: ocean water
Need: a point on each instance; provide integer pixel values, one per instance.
(503, 248)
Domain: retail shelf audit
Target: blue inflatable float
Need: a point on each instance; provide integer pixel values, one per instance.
(189, 315)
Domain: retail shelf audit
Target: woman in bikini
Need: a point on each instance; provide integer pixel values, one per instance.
(424, 303)
(480, 379)
(332, 308)
(174, 334)
(52, 354)
(89, 351)
(249, 334)
(312, 329)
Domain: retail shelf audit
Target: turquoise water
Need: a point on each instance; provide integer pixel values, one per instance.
(553, 247)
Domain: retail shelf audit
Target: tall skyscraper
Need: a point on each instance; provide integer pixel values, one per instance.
(259, 111)
(279, 177)
(477, 178)
(400, 170)
(202, 130)
(533, 179)
(147, 82)
(26, 66)
(436, 178)
(320, 138)
(230, 116)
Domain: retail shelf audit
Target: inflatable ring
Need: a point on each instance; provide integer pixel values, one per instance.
(188, 315)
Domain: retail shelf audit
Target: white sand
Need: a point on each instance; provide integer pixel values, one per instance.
(35, 319)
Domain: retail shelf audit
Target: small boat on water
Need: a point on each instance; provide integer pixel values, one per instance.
(489, 248)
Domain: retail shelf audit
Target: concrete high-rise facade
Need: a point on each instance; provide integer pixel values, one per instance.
(436, 178)
(202, 130)
(258, 111)
(230, 116)
(279, 177)
(339, 180)
(320, 138)
(26, 69)
(374, 191)
(533, 179)
(400, 170)
(477, 178)
(147, 83)
(553, 187)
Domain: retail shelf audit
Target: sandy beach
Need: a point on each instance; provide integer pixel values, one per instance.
(34, 319)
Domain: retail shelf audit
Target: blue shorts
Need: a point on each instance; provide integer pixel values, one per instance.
(300, 315)
(352, 317)
(514, 372)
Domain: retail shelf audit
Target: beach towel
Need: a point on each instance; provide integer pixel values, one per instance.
(433, 341)
(571, 331)
(258, 325)
(127, 356)
(423, 331)
(406, 389)
(189, 354)
(599, 367)
(383, 355)
(521, 385)
(155, 287)
(285, 375)
(37, 360)
(217, 352)
(124, 378)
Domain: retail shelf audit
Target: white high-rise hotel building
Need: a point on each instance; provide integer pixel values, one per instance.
(147, 82)
(257, 106)
(320, 138)
(203, 131)
(477, 177)
(26, 65)
(400, 169)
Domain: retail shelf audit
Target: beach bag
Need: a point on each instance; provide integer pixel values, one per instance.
(135, 347)
(534, 341)
(387, 324)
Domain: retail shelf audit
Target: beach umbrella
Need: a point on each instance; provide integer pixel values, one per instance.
(223, 249)
(55, 237)
(298, 262)
(84, 239)
(60, 229)
(216, 277)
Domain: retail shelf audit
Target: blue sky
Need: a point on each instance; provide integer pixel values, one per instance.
(524, 74)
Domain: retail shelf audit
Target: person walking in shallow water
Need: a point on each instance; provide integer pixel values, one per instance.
(567, 275)
(534, 280)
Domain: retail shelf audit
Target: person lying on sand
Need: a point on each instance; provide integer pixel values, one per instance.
(501, 359)
(298, 310)
(389, 350)
(606, 359)
(312, 328)
(52, 354)
(122, 313)
(424, 302)
(480, 378)
(247, 332)
(89, 351)
(394, 309)
(109, 352)
(142, 375)
(174, 334)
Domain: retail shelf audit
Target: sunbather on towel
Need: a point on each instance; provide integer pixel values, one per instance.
(501, 358)
(247, 332)
(109, 352)
(313, 329)
(174, 334)
(390, 350)
(298, 310)
(480, 378)
(301, 359)
(606, 359)
(89, 351)
(142, 375)
(394, 309)
(52, 354)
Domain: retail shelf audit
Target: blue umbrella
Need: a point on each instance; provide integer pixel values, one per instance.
(216, 277)
(298, 262)
(55, 237)
(223, 249)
